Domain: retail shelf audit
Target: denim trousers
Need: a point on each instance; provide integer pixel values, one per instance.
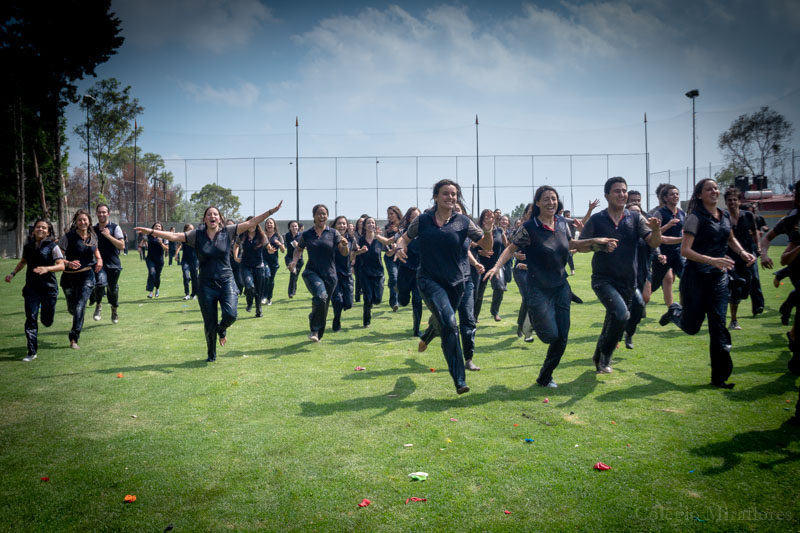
(253, 281)
(189, 270)
(268, 286)
(107, 284)
(77, 290)
(154, 269)
(44, 298)
(320, 289)
(391, 272)
(548, 311)
(442, 302)
(705, 295)
(407, 291)
(521, 279)
(342, 298)
(210, 294)
(373, 291)
(616, 298)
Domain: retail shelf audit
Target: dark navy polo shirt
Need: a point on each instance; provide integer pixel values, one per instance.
(251, 250)
(743, 230)
(497, 248)
(271, 259)
(442, 248)
(321, 250)
(665, 215)
(343, 261)
(620, 265)
(108, 252)
(154, 250)
(710, 235)
(44, 254)
(371, 264)
(546, 251)
(214, 255)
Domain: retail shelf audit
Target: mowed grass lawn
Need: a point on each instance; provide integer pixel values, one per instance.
(282, 434)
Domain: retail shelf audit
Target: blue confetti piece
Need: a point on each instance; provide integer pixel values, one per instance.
(691, 471)
(528, 440)
(699, 519)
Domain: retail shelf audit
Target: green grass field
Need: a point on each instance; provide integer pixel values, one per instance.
(282, 434)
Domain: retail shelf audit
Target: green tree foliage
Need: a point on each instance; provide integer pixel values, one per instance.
(224, 199)
(754, 138)
(726, 177)
(518, 211)
(111, 112)
(42, 54)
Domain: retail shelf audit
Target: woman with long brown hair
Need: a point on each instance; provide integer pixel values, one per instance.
(251, 264)
(394, 217)
(274, 243)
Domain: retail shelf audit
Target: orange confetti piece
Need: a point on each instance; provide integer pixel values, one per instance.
(119, 375)
(516, 425)
(433, 370)
(130, 498)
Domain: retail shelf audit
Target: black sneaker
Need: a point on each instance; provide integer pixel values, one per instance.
(666, 317)
(337, 325)
(629, 341)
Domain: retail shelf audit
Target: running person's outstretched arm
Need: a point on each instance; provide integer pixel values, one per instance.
(255, 221)
(161, 234)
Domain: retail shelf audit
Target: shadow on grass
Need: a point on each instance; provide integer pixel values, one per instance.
(655, 387)
(166, 368)
(773, 441)
(784, 383)
(405, 386)
(412, 367)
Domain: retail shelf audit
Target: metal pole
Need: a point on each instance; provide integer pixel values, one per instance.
(494, 179)
(336, 181)
(533, 178)
(694, 151)
(477, 164)
(297, 165)
(217, 160)
(186, 192)
(571, 192)
(135, 182)
(646, 166)
(376, 186)
(88, 100)
(416, 177)
(254, 186)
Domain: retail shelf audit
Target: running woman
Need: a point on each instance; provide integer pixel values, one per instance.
(274, 243)
(545, 240)
(442, 234)
(83, 260)
(393, 216)
(342, 298)
(290, 240)
(357, 264)
(672, 219)
(407, 290)
(707, 235)
(44, 258)
(488, 258)
(614, 273)
(320, 272)
(189, 268)
(155, 260)
(743, 224)
(213, 243)
(370, 248)
(110, 240)
(251, 264)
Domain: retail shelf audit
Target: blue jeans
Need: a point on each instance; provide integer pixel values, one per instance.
(321, 289)
(391, 271)
(756, 296)
(637, 312)
(107, 278)
(548, 310)
(77, 289)
(466, 319)
(253, 281)
(270, 271)
(706, 296)
(407, 291)
(211, 292)
(189, 270)
(342, 298)
(521, 279)
(442, 301)
(36, 298)
(154, 269)
(498, 288)
(617, 299)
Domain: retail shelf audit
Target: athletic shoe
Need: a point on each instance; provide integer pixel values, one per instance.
(211, 358)
(150, 295)
(29, 358)
(97, 310)
(575, 298)
(259, 315)
(723, 385)
(666, 317)
(114, 316)
(734, 325)
(395, 308)
(187, 297)
(757, 311)
(629, 341)
(530, 339)
(156, 293)
(422, 346)
(74, 345)
(194, 297)
(313, 337)
(337, 325)
(269, 302)
(551, 385)
(462, 390)
(263, 301)
(469, 365)
(249, 307)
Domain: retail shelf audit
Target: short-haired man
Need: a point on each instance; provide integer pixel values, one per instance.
(110, 240)
(614, 272)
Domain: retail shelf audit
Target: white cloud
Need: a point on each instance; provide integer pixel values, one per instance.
(212, 25)
(246, 95)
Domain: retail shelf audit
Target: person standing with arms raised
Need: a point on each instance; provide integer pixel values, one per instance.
(320, 272)
(614, 273)
(213, 243)
(110, 240)
(442, 234)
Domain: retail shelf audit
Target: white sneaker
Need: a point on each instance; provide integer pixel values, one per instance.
(29, 358)
(187, 297)
(263, 301)
(551, 385)
(156, 293)
(313, 337)
(96, 315)
(269, 302)
(735, 325)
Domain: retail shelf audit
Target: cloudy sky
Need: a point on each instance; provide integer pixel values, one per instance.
(226, 79)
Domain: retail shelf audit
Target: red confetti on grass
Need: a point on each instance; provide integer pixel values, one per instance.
(454, 420)
(546, 400)
(364, 503)
(613, 422)
(516, 425)
(433, 370)
(45, 479)
(601, 466)
(119, 375)
(415, 499)
(359, 368)
(130, 498)
(507, 511)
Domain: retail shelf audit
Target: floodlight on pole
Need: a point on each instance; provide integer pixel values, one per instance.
(694, 93)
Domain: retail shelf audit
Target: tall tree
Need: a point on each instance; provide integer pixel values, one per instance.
(754, 138)
(42, 55)
(224, 199)
(111, 112)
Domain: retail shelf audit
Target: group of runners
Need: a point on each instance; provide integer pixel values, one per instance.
(441, 257)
